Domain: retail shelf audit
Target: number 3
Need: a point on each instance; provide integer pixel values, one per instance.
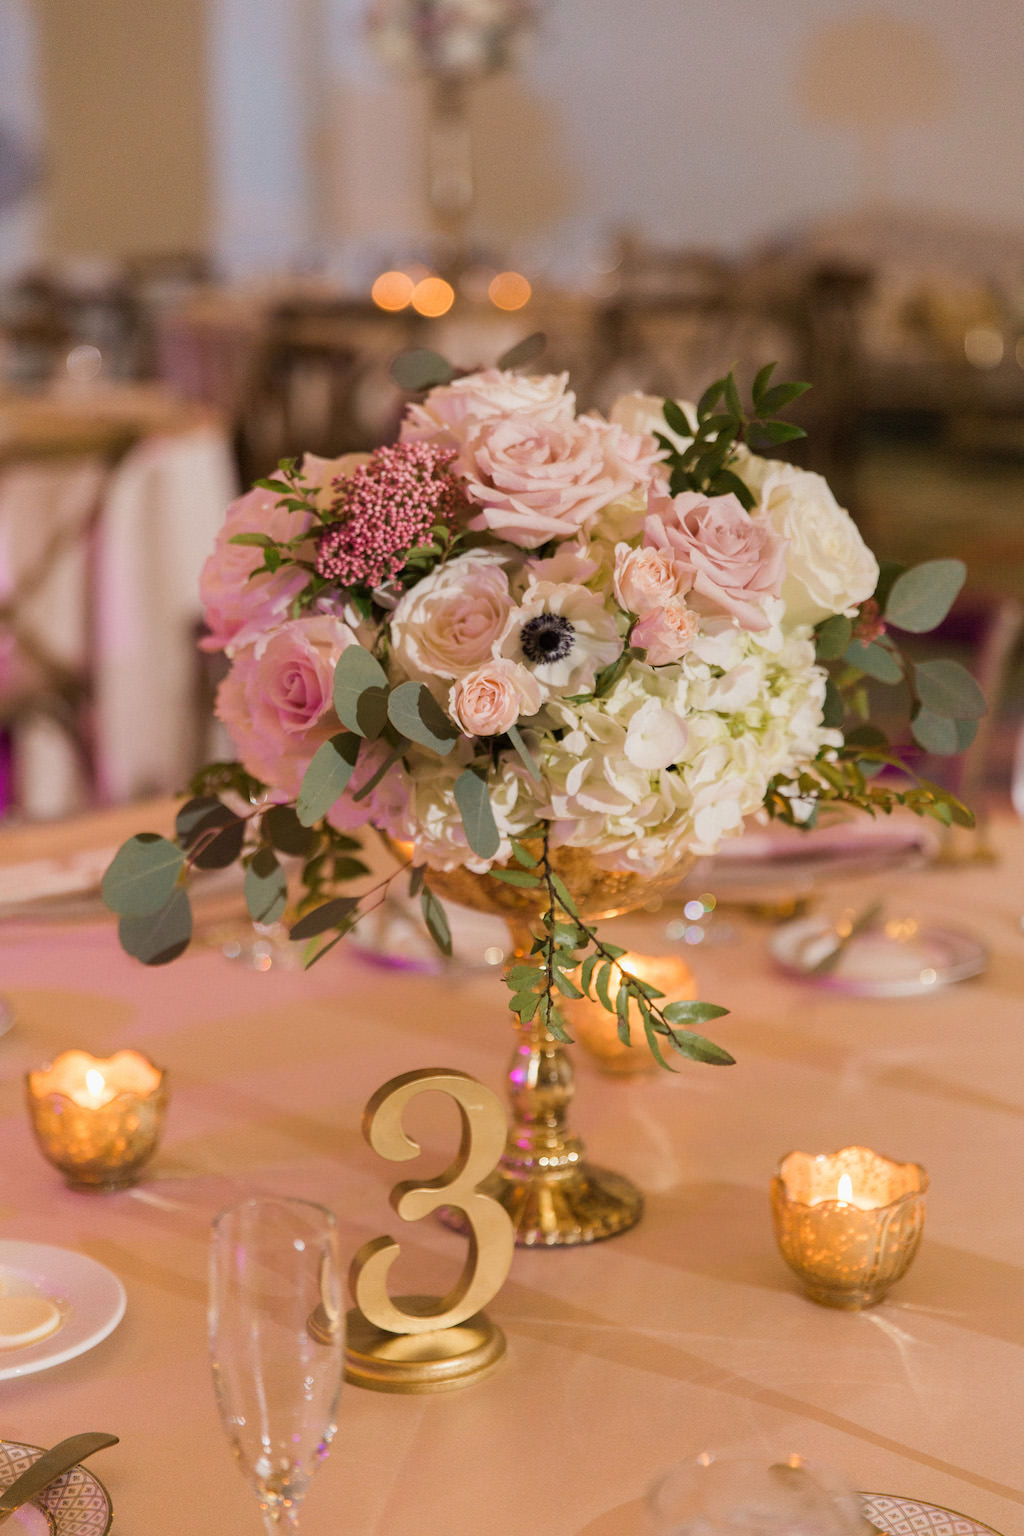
(491, 1233)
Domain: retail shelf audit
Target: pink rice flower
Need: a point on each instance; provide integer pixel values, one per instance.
(385, 508)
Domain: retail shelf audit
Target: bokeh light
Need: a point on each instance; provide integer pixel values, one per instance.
(509, 290)
(433, 297)
(392, 291)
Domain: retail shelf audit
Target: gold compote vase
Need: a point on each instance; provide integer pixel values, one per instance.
(555, 1197)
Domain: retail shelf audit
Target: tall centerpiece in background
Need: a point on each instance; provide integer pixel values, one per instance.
(550, 658)
(451, 44)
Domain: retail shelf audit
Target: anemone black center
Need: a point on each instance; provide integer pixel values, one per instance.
(546, 637)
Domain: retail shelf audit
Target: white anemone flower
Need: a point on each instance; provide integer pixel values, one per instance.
(563, 634)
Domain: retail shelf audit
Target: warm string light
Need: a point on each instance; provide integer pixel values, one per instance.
(509, 290)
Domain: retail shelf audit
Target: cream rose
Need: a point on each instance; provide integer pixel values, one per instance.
(644, 415)
(829, 568)
(448, 623)
(486, 702)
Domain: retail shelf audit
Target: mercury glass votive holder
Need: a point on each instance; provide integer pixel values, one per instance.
(848, 1223)
(98, 1119)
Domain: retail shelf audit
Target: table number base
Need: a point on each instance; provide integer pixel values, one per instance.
(438, 1361)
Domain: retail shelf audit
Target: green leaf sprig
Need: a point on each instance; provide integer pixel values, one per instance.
(722, 424)
(568, 959)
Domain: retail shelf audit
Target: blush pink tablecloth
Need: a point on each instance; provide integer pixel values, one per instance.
(683, 1334)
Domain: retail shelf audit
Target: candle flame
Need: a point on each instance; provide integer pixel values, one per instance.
(95, 1083)
(844, 1194)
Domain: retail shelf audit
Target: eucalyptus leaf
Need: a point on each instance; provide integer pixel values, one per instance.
(524, 351)
(327, 777)
(413, 710)
(216, 839)
(832, 637)
(474, 802)
(286, 832)
(160, 936)
(515, 736)
(265, 886)
(947, 688)
(935, 733)
(875, 660)
(436, 920)
(421, 368)
(191, 816)
(921, 598)
(832, 708)
(322, 918)
(142, 875)
(356, 671)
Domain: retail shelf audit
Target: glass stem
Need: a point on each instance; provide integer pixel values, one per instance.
(279, 1517)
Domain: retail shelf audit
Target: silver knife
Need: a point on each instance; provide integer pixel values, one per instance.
(50, 1465)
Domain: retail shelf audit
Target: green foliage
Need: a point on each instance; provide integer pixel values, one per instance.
(474, 803)
(143, 875)
(706, 462)
(920, 598)
(327, 777)
(525, 351)
(421, 368)
(358, 676)
(948, 689)
(569, 960)
(416, 715)
(266, 888)
(160, 936)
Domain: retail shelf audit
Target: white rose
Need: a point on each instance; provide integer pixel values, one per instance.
(486, 702)
(656, 736)
(448, 623)
(829, 568)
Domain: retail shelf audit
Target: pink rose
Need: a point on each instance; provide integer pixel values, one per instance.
(451, 413)
(646, 578)
(448, 623)
(277, 700)
(666, 634)
(238, 610)
(486, 702)
(535, 481)
(733, 562)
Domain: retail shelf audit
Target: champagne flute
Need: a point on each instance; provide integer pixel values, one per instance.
(276, 1344)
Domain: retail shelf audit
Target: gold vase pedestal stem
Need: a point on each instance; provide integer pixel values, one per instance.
(555, 1197)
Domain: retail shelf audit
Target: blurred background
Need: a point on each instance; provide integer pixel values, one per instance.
(220, 220)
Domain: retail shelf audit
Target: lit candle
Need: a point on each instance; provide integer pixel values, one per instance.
(597, 1029)
(848, 1223)
(97, 1119)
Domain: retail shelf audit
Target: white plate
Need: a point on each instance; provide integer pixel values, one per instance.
(894, 959)
(909, 1517)
(90, 1297)
(784, 858)
(75, 1504)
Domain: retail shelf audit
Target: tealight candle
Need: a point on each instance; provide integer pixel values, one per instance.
(848, 1222)
(97, 1119)
(597, 1029)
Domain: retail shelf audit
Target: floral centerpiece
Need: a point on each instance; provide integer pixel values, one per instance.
(522, 631)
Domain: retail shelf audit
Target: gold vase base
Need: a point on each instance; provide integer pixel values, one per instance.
(844, 1301)
(562, 1208)
(438, 1361)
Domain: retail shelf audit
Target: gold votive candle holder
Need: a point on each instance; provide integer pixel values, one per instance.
(848, 1223)
(98, 1119)
(597, 1030)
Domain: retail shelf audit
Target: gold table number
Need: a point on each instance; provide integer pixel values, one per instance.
(427, 1343)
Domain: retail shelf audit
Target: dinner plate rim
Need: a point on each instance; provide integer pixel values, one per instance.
(942, 1509)
(49, 1352)
(26, 1445)
(791, 933)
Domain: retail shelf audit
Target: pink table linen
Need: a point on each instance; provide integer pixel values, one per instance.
(686, 1333)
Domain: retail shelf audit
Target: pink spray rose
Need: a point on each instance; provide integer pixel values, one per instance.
(277, 700)
(646, 578)
(534, 481)
(486, 702)
(732, 561)
(666, 633)
(237, 610)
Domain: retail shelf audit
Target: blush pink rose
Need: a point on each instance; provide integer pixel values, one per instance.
(277, 700)
(451, 413)
(534, 481)
(666, 633)
(486, 702)
(733, 563)
(237, 606)
(646, 578)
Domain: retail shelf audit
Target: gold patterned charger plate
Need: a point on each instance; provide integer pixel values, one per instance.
(75, 1504)
(897, 1516)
